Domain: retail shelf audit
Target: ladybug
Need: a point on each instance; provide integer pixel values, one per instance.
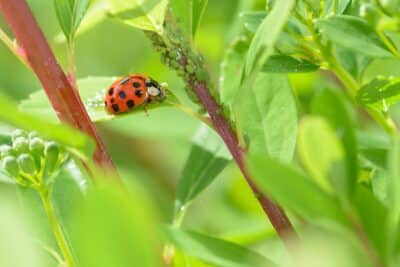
(133, 91)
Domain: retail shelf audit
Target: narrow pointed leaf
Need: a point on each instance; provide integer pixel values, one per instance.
(293, 190)
(208, 157)
(267, 34)
(198, 9)
(216, 251)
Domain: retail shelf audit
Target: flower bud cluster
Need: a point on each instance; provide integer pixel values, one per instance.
(30, 160)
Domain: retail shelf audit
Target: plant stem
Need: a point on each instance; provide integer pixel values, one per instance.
(64, 99)
(388, 44)
(56, 227)
(276, 215)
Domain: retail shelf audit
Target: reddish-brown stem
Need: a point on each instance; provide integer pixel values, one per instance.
(65, 101)
(276, 215)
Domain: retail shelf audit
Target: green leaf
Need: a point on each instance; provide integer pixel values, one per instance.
(95, 14)
(188, 14)
(146, 15)
(182, 10)
(68, 191)
(380, 186)
(293, 190)
(231, 70)
(329, 244)
(267, 34)
(332, 106)
(373, 149)
(92, 91)
(394, 170)
(320, 151)
(207, 158)
(380, 93)
(252, 20)
(354, 63)
(17, 248)
(288, 64)
(353, 33)
(216, 251)
(393, 191)
(198, 9)
(268, 116)
(115, 228)
(63, 134)
(341, 6)
(373, 216)
(70, 14)
(236, 23)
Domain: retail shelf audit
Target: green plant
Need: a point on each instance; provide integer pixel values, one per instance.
(299, 103)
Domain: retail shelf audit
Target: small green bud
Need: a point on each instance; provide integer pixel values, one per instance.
(27, 163)
(32, 135)
(6, 150)
(51, 151)
(21, 145)
(189, 69)
(10, 165)
(18, 133)
(36, 146)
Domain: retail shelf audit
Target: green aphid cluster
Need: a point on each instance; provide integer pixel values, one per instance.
(30, 160)
(177, 54)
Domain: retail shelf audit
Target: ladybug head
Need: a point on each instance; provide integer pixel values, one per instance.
(156, 91)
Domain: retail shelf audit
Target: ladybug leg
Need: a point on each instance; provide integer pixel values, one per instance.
(145, 110)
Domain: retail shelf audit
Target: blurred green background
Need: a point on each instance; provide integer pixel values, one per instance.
(151, 150)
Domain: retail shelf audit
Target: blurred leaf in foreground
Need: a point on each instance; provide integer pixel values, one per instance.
(216, 251)
(113, 228)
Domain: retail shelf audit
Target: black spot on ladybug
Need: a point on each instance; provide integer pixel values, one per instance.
(122, 94)
(130, 103)
(115, 107)
(138, 93)
(111, 91)
(136, 84)
(112, 99)
(124, 81)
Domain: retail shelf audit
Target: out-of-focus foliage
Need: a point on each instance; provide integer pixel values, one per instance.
(310, 87)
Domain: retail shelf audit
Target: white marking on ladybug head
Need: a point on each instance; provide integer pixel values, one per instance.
(153, 91)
